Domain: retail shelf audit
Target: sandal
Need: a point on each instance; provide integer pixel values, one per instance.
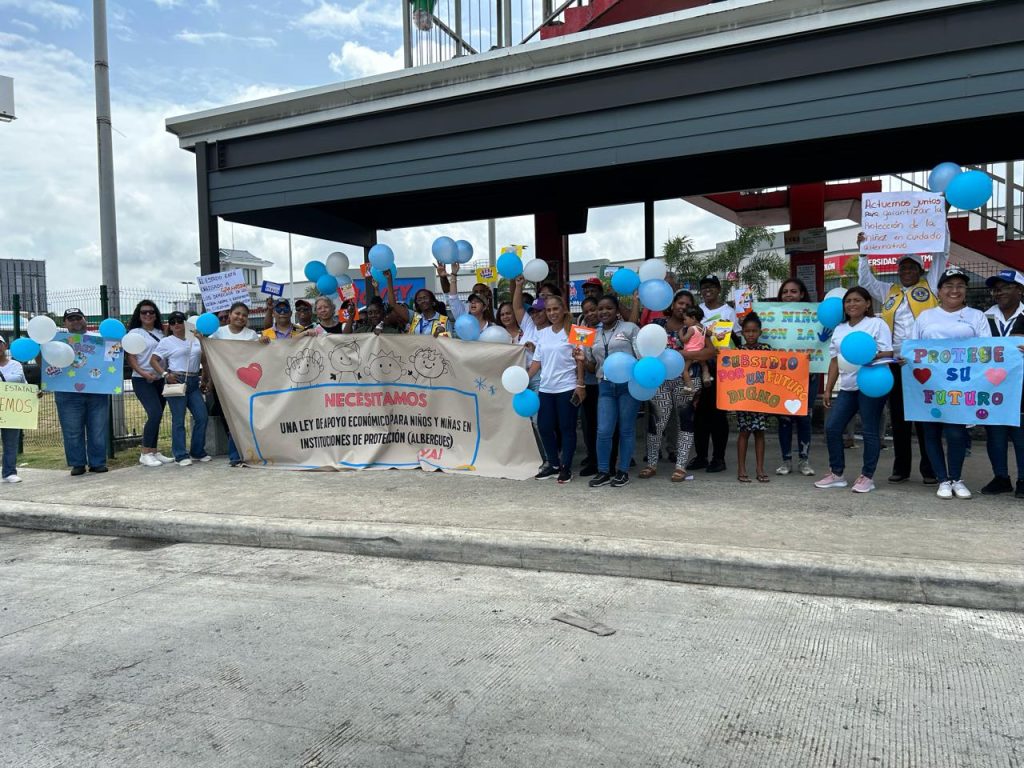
(762, 479)
(647, 472)
(744, 478)
(679, 476)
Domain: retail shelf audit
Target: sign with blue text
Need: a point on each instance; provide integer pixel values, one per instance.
(963, 381)
(98, 367)
(794, 327)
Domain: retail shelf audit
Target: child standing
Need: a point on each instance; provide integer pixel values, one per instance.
(750, 422)
(691, 337)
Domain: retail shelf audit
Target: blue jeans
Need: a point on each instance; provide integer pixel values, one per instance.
(956, 440)
(233, 454)
(150, 394)
(802, 423)
(844, 407)
(83, 422)
(10, 442)
(615, 408)
(557, 413)
(193, 399)
(996, 439)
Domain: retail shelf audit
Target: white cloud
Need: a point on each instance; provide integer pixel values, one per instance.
(25, 25)
(167, 3)
(333, 20)
(357, 60)
(202, 38)
(61, 14)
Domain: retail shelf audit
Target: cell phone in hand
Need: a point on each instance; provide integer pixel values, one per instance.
(575, 399)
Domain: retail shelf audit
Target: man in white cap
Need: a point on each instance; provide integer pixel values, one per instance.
(902, 302)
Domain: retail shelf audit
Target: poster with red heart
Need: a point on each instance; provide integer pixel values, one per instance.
(98, 367)
(963, 381)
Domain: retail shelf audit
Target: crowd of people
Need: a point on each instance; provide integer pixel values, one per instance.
(573, 390)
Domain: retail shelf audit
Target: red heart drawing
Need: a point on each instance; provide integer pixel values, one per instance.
(922, 375)
(79, 386)
(995, 375)
(251, 374)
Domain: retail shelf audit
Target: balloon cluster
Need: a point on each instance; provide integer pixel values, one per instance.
(525, 402)
(510, 266)
(41, 330)
(657, 363)
(328, 276)
(655, 292)
(448, 251)
(856, 351)
(966, 190)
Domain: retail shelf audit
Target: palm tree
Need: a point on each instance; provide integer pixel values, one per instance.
(741, 261)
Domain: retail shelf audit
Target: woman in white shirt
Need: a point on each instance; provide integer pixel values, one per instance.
(147, 385)
(952, 319)
(10, 370)
(177, 359)
(561, 391)
(850, 401)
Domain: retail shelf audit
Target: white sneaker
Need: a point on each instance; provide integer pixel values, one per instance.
(785, 468)
(184, 463)
(149, 460)
(805, 468)
(162, 459)
(12, 479)
(945, 490)
(206, 458)
(960, 490)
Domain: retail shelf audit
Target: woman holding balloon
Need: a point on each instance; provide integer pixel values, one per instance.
(145, 331)
(860, 339)
(10, 371)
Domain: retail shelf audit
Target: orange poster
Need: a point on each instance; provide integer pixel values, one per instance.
(763, 381)
(581, 336)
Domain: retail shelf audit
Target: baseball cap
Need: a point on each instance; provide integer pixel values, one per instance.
(594, 281)
(476, 297)
(713, 279)
(537, 304)
(952, 272)
(73, 311)
(303, 303)
(176, 317)
(1006, 276)
(914, 257)
(282, 303)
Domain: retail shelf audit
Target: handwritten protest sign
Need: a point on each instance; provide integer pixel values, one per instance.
(763, 381)
(98, 367)
(486, 275)
(963, 381)
(903, 222)
(581, 336)
(794, 327)
(272, 289)
(19, 406)
(222, 289)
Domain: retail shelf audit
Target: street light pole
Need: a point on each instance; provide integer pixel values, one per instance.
(104, 148)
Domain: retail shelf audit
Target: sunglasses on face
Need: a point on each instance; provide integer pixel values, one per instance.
(146, 312)
(175, 322)
(282, 311)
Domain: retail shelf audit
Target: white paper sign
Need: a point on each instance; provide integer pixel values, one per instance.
(903, 222)
(222, 289)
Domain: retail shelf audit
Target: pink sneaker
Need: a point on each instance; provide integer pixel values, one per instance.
(831, 480)
(863, 485)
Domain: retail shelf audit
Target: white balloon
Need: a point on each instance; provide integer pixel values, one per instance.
(535, 270)
(652, 269)
(515, 379)
(845, 366)
(337, 264)
(836, 293)
(495, 334)
(190, 323)
(651, 340)
(41, 329)
(133, 344)
(58, 354)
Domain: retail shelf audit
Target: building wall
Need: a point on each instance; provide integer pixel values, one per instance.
(27, 278)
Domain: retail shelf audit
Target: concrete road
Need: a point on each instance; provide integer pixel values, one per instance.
(118, 652)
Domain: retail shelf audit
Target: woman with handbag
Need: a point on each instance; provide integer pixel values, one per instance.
(177, 360)
(147, 385)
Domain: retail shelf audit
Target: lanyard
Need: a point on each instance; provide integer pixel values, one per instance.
(604, 338)
(1004, 328)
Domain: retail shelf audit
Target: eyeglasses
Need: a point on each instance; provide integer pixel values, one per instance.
(175, 322)
(282, 311)
(147, 312)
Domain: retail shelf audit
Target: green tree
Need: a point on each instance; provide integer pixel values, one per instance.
(849, 277)
(740, 261)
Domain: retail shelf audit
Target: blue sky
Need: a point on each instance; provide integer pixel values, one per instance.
(170, 57)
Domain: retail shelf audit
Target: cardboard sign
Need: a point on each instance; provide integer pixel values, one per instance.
(903, 222)
(222, 289)
(723, 327)
(581, 336)
(272, 289)
(743, 300)
(19, 405)
(763, 381)
(347, 291)
(486, 275)
(98, 367)
(962, 381)
(794, 327)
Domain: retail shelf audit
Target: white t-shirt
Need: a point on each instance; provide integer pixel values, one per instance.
(13, 372)
(225, 332)
(722, 313)
(557, 368)
(152, 338)
(876, 328)
(937, 323)
(179, 354)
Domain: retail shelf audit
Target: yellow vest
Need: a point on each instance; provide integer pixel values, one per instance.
(438, 320)
(920, 298)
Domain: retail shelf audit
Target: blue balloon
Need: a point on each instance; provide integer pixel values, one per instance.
(526, 403)
(830, 312)
(380, 278)
(875, 380)
(113, 329)
(641, 393)
(445, 250)
(344, 280)
(969, 190)
(625, 281)
(314, 270)
(618, 367)
(649, 372)
(655, 294)
(24, 349)
(859, 348)
(510, 266)
(467, 328)
(381, 257)
(326, 285)
(465, 249)
(207, 323)
(673, 362)
(941, 175)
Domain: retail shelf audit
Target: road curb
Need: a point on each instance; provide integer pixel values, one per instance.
(962, 584)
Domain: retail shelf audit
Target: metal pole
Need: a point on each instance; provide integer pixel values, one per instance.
(104, 148)
(105, 312)
(648, 229)
(507, 25)
(1011, 199)
(492, 252)
(458, 28)
(499, 36)
(291, 274)
(406, 34)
